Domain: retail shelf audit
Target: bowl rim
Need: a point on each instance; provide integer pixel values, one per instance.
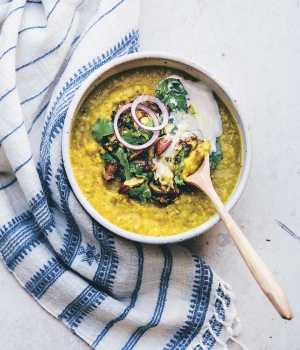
(77, 98)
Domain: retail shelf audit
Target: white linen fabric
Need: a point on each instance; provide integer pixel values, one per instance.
(113, 293)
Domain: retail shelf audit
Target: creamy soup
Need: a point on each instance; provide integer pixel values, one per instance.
(189, 208)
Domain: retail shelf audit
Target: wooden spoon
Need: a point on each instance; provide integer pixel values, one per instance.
(260, 271)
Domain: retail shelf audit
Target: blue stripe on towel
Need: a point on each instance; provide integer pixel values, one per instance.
(45, 278)
(163, 288)
(8, 50)
(29, 28)
(108, 261)
(21, 165)
(40, 209)
(72, 236)
(8, 184)
(10, 13)
(37, 95)
(40, 27)
(7, 93)
(208, 339)
(133, 297)
(74, 41)
(11, 132)
(53, 8)
(55, 48)
(18, 237)
(88, 300)
(198, 307)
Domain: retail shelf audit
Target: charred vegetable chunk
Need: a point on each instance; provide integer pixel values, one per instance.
(132, 183)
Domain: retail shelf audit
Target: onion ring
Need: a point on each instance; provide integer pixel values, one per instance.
(128, 145)
(137, 104)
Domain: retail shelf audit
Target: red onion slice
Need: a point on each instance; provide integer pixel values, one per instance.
(128, 145)
(137, 104)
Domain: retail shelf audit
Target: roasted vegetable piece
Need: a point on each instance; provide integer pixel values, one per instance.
(109, 172)
(195, 158)
(132, 183)
(156, 189)
(134, 154)
(145, 164)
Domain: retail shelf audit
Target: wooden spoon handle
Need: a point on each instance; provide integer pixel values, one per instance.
(256, 265)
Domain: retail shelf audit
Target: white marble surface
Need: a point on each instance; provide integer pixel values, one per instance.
(253, 47)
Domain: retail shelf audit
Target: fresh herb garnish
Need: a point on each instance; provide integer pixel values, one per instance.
(122, 156)
(173, 131)
(141, 193)
(216, 156)
(108, 158)
(101, 128)
(177, 178)
(170, 128)
(137, 170)
(172, 93)
(136, 137)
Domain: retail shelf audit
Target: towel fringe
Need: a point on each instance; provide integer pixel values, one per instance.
(238, 342)
(231, 323)
(217, 339)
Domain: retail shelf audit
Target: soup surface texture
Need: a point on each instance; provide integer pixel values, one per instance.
(191, 208)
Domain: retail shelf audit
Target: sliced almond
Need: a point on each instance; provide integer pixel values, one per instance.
(161, 145)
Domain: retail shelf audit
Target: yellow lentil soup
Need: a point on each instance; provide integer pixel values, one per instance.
(191, 208)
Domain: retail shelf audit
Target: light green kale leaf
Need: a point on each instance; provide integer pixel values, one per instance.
(216, 156)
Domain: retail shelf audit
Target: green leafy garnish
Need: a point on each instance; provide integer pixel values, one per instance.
(172, 93)
(137, 170)
(215, 157)
(122, 156)
(108, 158)
(141, 193)
(170, 128)
(101, 128)
(173, 131)
(177, 178)
(136, 137)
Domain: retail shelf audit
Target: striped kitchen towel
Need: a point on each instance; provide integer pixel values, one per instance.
(113, 293)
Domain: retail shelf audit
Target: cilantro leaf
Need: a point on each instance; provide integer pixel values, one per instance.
(173, 131)
(173, 94)
(122, 156)
(108, 158)
(177, 178)
(170, 128)
(101, 128)
(137, 170)
(215, 157)
(136, 137)
(141, 193)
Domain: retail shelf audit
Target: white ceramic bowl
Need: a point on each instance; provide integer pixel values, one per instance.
(154, 59)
